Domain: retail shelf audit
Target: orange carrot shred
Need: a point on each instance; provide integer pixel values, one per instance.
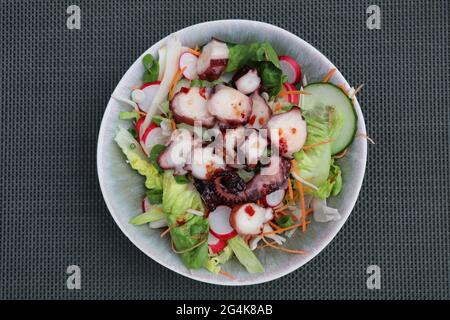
(293, 92)
(175, 80)
(194, 52)
(277, 107)
(317, 144)
(365, 136)
(357, 90)
(282, 248)
(273, 225)
(165, 232)
(228, 275)
(281, 230)
(329, 75)
(282, 208)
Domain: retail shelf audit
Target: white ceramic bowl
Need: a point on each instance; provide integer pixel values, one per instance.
(123, 188)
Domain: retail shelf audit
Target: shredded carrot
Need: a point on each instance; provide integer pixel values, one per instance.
(165, 232)
(317, 144)
(342, 87)
(365, 136)
(141, 113)
(281, 230)
(341, 155)
(329, 75)
(273, 225)
(294, 92)
(258, 202)
(290, 191)
(194, 52)
(228, 275)
(175, 80)
(277, 107)
(357, 90)
(173, 125)
(301, 196)
(265, 245)
(282, 208)
(282, 248)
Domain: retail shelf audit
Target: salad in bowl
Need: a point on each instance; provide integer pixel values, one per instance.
(239, 152)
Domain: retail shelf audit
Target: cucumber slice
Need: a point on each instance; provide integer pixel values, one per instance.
(345, 122)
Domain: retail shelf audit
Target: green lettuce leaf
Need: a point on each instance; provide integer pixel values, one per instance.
(245, 255)
(187, 230)
(178, 198)
(187, 235)
(151, 215)
(151, 66)
(213, 264)
(333, 185)
(263, 57)
(137, 159)
(314, 163)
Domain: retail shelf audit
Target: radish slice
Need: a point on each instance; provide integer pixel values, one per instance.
(291, 68)
(138, 127)
(219, 223)
(215, 243)
(274, 199)
(153, 136)
(145, 204)
(149, 90)
(189, 61)
(292, 98)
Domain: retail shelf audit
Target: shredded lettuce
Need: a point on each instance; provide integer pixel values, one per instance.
(313, 164)
(213, 264)
(333, 185)
(324, 213)
(186, 235)
(245, 255)
(137, 159)
(178, 198)
(151, 215)
(187, 230)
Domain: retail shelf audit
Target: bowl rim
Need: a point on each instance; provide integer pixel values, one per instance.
(325, 239)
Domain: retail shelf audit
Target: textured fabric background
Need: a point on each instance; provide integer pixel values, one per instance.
(55, 84)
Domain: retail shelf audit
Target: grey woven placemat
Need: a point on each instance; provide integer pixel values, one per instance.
(55, 84)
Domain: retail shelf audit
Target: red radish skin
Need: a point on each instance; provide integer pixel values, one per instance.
(145, 204)
(150, 90)
(291, 68)
(274, 199)
(215, 244)
(189, 61)
(219, 223)
(152, 138)
(292, 98)
(138, 128)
